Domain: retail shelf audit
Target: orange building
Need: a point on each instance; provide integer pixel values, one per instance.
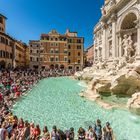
(56, 50)
(12, 52)
(6, 45)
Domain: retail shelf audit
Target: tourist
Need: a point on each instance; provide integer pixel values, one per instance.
(3, 132)
(26, 131)
(14, 134)
(16, 128)
(107, 132)
(81, 134)
(70, 134)
(54, 134)
(98, 129)
(37, 132)
(46, 134)
(90, 135)
(61, 134)
(20, 124)
(32, 127)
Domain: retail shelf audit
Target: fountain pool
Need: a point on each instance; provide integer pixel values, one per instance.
(56, 101)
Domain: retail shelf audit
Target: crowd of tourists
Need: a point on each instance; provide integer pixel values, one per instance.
(14, 84)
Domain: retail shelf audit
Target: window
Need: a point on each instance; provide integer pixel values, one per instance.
(79, 41)
(65, 59)
(70, 67)
(37, 51)
(10, 43)
(6, 41)
(79, 54)
(1, 20)
(7, 55)
(69, 54)
(31, 59)
(51, 59)
(37, 59)
(56, 51)
(4, 54)
(51, 51)
(69, 61)
(56, 59)
(69, 47)
(79, 47)
(65, 51)
(2, 40)
(11, 56)
(70, 40)
(31, 51)
(78, 61)
(41, 51)
(41, 59)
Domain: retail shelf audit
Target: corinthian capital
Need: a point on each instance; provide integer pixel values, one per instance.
(113, 17)
(104, 25)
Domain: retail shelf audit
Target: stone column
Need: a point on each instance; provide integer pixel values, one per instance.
(104, 42)
(120, 46)
(138, 39)
(114, 46)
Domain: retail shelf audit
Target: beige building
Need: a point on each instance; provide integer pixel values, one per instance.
(34, 53)
(20, 53)
(90, 55)
(55, 50)
(117, 34)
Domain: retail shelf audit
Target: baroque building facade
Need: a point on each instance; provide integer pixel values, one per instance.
(54, 50)
(117, 34)
(12, 52)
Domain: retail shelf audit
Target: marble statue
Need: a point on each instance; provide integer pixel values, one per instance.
(130, 48)
(112, 2)
(127, 45)
(103, 11)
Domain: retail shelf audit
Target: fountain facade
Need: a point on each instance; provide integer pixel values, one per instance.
(117, 34)
(116, 67)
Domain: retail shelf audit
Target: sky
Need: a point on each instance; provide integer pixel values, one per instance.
(28, 19)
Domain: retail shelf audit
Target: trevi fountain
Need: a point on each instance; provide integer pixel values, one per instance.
(116, 68)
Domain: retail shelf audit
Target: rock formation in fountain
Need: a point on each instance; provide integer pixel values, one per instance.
(121, 76)
(134, 103)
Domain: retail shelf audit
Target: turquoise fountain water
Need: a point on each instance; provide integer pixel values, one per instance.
(55, 101)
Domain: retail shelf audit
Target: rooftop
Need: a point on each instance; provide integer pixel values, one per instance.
(3, 16)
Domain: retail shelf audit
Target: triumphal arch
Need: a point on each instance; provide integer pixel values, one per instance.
(117, 34)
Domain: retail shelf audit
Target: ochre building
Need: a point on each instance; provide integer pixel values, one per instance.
(12, 52)
(54, 50)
